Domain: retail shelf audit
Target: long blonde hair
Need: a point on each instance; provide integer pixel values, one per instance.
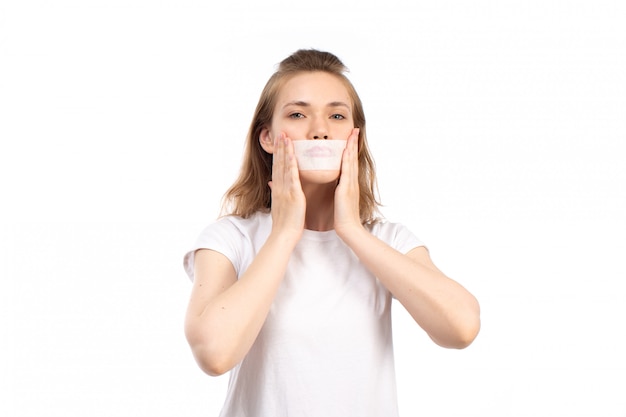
(250, 192)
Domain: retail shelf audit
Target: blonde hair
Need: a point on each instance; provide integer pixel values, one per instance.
(250, 192)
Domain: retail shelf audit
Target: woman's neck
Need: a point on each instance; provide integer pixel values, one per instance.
(320, 207)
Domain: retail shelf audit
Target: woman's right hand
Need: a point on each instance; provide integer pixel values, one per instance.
(288, 200)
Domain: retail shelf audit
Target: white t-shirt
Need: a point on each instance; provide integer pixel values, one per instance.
(325, 348)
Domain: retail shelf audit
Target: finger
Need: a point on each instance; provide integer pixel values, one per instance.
(278, 160)
(290, 153)
(349, 152)
(355, 133)
(291, 163)
(351, 142)
(349, 160)
(355, 139)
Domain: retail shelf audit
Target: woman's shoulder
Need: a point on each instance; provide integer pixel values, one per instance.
(396, 234)
(258, 222)
(233, 236)
(383, 225)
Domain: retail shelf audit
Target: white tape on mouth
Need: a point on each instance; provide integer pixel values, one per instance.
(319, 154)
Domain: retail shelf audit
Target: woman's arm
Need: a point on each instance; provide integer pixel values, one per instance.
(225, 314)
(442, 307)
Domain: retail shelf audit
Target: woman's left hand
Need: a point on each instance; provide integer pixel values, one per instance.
(347, 193)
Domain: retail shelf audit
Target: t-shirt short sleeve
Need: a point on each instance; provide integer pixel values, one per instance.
(396, 235)
(221, 236)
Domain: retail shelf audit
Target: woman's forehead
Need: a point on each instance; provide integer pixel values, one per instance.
(314, 88)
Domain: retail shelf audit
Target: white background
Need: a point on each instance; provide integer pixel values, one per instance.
(498, 128)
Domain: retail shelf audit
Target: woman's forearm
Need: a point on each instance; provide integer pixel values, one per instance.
(442, 307)
(228, 324)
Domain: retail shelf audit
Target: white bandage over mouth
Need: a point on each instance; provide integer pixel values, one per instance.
(319, 154)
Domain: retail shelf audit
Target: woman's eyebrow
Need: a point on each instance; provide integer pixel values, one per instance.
(338, 104)
(301, 103)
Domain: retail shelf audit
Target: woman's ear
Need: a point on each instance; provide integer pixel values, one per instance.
(266, 141)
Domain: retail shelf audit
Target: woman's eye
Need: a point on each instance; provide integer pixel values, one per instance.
(296, 115)
(337, 117)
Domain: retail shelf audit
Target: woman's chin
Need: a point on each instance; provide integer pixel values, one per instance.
(324, 176)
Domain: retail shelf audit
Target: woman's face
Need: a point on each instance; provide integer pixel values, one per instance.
(312, 106)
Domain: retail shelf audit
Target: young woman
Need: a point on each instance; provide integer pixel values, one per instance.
(292, 289)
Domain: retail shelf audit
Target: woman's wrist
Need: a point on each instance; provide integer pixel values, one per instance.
(352, 233)
(284, 238)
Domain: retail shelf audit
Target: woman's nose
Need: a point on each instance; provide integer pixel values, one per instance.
(318, 128)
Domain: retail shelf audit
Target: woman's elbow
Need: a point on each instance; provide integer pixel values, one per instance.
(459, 338)
(211, 363)
(470, 328)
(462, 331)
(210, 358)
(468, 334)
